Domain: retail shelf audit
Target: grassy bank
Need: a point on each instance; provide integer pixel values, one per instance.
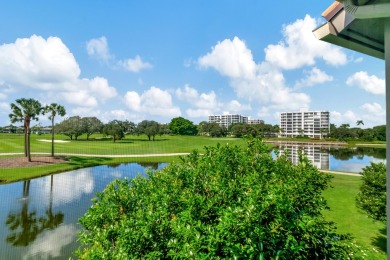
(368, 234)
(8, 175)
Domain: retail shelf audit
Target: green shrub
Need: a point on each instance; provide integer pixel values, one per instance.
(372, 195)
(230, 202)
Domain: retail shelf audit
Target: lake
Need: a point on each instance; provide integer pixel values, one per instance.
(335, 159)
(38, 217)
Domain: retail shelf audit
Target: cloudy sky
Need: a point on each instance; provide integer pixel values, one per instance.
(157, 60)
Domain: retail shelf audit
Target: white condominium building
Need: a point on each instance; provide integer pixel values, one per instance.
(227, 120)
(314, 124)
(255, 121)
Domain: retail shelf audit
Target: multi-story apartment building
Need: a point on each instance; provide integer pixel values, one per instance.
(255, 121)
(314, 124)
(227, 120)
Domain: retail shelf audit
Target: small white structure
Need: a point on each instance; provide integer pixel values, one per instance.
(314, 124)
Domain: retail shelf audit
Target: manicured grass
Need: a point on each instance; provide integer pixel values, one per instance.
(97, 145)
(129, 145)
(369, 234)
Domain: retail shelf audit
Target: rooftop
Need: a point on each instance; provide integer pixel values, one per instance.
(356, 24)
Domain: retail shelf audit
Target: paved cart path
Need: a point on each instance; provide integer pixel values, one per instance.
(104, 155)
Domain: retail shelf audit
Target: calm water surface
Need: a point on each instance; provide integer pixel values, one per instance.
(336, 159)
(38, 218)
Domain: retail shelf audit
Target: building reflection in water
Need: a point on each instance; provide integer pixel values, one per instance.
(317, 154)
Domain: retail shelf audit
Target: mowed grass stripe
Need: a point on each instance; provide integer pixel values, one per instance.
(129, 145)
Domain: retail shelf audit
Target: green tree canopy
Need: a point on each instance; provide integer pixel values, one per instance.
(182, 126)
(380, 132)
(149, 128)
(115, 128)
(91, 125)
(71, 127)
(372, 195)
(241, 129)
(230, 203)
(212, 129)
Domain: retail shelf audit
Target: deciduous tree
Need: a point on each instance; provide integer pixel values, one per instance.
(372, 195)
(182, 126)
(91, 125)
(71, 127)
(115, 128)
(149, 128)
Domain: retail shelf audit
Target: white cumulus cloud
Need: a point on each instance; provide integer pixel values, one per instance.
(48, 64)
(204, 104)
(153, 101)
(348, 117)
(313, 77)
(374, 114)
(262, 83)
(299, 47)
(374, 108)
(236, 107)
(37, 62)
(230, 58)
(371, 84)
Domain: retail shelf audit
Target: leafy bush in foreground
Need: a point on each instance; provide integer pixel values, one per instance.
(230, 202)
(372, 195)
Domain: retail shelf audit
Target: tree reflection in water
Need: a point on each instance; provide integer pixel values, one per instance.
(150, 165)
(25, 225)
(345, 154)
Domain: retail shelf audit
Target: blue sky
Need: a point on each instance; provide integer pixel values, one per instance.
(156, 60)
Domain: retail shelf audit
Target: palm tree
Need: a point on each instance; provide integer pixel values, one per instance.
(24, 111)
(53, 109)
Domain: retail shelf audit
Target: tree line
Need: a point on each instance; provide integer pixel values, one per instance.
(347, 133)
(76, 126)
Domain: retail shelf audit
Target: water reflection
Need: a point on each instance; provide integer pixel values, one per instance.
(337, 159)
(23, 225)
(318, 156)
(51, 244)
(360, 152)
(39, 217)
(80, 182)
